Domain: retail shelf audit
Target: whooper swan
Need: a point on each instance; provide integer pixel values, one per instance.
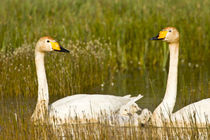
(198, 112)
(83, 107)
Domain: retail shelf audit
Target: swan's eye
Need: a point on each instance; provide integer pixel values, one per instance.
(169, 30)
(48, 41)
(125, 109)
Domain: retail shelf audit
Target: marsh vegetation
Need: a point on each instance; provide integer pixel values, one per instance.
(110, 54)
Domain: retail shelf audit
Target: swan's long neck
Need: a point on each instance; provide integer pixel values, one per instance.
(41, 75)
(166, 106)
(43, 95)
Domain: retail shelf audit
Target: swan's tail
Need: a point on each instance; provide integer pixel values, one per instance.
(134, 99)
(127, 96)
(130, 107)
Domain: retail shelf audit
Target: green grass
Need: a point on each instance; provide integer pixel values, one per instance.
(86, 65)
(15, 124)
(104, 37)
(120, 30)
(128, 25)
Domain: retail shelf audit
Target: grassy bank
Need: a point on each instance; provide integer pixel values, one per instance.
(86, 65)
(104, 37)
(15, 124)
(128, 25)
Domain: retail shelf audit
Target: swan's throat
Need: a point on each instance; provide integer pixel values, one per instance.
(41, 111)
(41, 77)
(166, 106)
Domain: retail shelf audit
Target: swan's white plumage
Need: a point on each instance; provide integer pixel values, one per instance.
(127, 118)
(83, 107)
(197, 113)
(87, 106)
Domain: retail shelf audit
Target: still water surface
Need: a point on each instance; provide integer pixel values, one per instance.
(193, 85)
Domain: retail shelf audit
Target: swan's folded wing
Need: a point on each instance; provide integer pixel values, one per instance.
(68, 100)
(88, 105)
(197, 112)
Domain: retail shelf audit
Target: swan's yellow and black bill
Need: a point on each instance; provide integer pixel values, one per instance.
(57, 47)
(160, 36)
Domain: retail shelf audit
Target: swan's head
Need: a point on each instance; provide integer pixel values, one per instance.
(129, 109)
(47, 44)
(145, 116)
(168, 34)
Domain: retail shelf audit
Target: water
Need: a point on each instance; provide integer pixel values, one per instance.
(193, 85)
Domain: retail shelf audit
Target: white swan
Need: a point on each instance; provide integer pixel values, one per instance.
(198, 112)
(128, 116)
(83, 107)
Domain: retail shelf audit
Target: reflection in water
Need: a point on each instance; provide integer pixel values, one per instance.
(192, 86)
